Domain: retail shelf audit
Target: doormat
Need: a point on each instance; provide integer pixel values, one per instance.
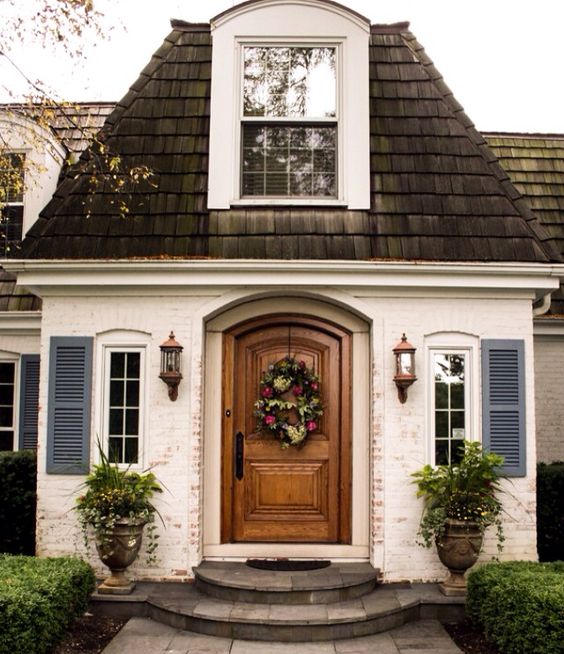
(285, 565)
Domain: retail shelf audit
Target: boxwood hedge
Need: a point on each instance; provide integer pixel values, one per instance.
(550, 511)
(18, 471)
(519, 605)
(39, 599)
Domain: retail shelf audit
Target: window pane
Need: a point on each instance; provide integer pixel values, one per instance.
(132, 393)
(133, 365)
(6, 441)
(6, 416)
(7, 394)
(116, 421)
(117, 367)
(116, 450)
(441, 453)
(441, 424)
(289, 82)
(132, 422)
(131, 450)
(457, 396)
(282, 161)
(116, 393)
(7, 373)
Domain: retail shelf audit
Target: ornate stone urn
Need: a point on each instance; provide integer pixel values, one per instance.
(458, 550)
(118, 549)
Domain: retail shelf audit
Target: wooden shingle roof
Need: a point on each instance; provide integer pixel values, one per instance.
(535, 164)
(437, 191)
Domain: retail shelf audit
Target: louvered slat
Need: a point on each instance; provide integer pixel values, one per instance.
(70, 384)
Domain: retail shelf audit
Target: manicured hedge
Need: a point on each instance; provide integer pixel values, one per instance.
(550, 511)
(39, 599)
(18, 472)
(520, 605)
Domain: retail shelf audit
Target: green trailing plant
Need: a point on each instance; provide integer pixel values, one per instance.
(519, 605)
(115, 494)
(39, 599)
(466, 491)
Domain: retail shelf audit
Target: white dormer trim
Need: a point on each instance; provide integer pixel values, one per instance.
(292, 22)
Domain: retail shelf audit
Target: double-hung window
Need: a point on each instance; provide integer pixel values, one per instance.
(289, 122)
(450, 404)
(123, 416)
(11, 202)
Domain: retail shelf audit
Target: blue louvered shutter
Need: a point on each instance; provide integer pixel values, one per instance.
(68, 422)
(503, 383)
(29, 401)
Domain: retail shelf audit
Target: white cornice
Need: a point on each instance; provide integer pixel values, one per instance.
(20, 322)
(548, 327)
(47, 277)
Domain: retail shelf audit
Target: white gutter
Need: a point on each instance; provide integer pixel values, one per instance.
(541, 307)
(45, 276)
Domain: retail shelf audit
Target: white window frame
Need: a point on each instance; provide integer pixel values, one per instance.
(307, 22)
(18, 203)
(121, 343)
(15, 359)
(461, 344)
(297, 120)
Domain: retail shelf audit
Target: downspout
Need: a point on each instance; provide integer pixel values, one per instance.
(541, 306)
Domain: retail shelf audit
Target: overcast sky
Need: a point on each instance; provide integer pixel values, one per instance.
(502, 58)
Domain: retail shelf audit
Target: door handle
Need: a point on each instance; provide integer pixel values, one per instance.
(239, 454)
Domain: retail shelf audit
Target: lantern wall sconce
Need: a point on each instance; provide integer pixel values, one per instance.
(405, 367)
(171, 355)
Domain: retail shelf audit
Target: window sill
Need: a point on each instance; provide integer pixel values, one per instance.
(288, 202)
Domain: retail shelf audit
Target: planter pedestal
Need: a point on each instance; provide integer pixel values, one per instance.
(458, 550)
(118, 551)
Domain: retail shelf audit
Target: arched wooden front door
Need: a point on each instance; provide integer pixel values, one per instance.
(297, 494)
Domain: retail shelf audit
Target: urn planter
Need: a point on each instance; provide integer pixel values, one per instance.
(458, 550)
(118, 549)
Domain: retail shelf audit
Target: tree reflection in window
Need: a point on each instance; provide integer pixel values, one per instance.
(292, 151)
(450, 409)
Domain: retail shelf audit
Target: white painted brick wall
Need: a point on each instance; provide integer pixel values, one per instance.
(549, 398)
(399, 446)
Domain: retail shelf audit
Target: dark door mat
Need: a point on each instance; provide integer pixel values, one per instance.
(284, 565)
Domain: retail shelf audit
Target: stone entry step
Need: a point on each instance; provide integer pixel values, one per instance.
(183, 606)
(240, 583)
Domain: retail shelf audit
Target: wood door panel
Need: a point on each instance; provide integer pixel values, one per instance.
(277, 490)
(296, 494)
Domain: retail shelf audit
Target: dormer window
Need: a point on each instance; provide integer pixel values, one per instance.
(289, 122)
(11, 202)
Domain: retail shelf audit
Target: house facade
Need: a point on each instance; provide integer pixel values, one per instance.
(316, 193)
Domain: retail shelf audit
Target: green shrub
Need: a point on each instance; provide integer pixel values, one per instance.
(18, 471)
(519, 605)
(550, 511)
(39, 599)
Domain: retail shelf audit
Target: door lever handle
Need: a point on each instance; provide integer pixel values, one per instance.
(239, 455)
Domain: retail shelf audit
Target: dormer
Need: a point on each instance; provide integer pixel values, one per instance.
(289, 106)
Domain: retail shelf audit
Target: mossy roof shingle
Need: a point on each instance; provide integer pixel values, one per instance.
(437, 191)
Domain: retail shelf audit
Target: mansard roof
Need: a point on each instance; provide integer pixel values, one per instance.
(437, 190)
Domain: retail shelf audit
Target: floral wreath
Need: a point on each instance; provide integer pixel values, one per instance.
(290, 404)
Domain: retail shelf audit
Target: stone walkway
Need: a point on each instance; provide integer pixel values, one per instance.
(145, 636)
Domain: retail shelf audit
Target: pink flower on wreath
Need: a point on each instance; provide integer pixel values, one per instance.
(267, 392)
(297, 390)
(302, 364)
(314, 386)
(269, 420)
(311, 425)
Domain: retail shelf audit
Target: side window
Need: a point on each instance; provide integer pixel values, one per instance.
(289, 122)
(450, 399)
(7, 404)
(11, 203)
(124, 411)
